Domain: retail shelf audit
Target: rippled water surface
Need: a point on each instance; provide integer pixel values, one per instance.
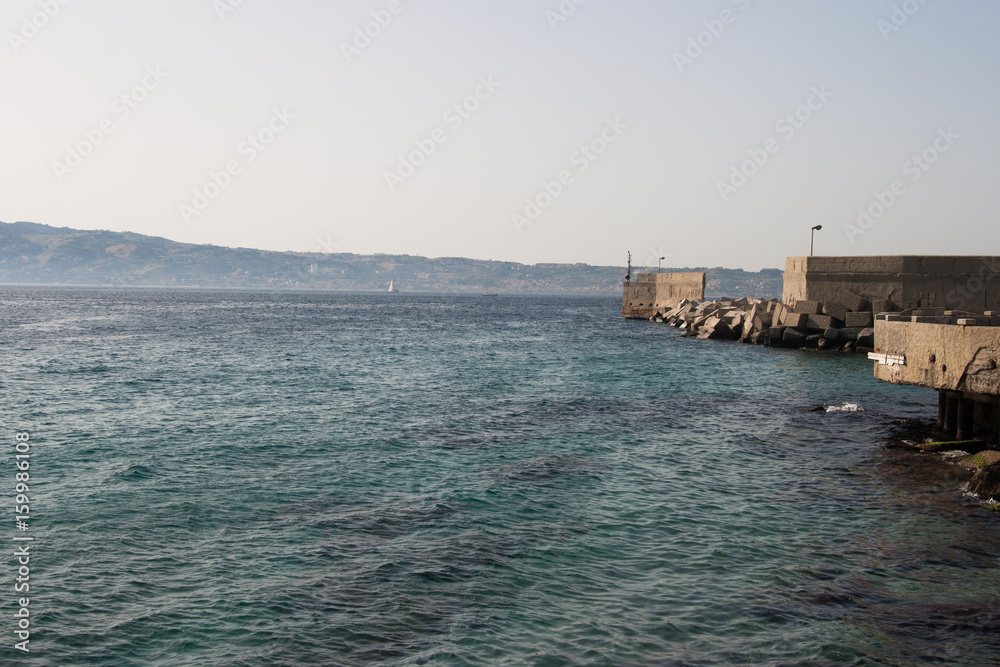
(226, 478)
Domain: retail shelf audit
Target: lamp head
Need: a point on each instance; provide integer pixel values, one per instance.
(818, 227)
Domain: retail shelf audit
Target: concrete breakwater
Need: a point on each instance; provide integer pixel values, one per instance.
(810, 324)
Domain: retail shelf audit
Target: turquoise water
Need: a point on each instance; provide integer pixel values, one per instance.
(226, 478)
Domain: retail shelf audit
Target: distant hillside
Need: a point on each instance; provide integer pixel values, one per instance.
(33, 253)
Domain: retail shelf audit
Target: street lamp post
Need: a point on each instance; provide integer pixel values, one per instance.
(812, 238)
(658, 263)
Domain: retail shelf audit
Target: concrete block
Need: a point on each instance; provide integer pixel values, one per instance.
(883, 306)
(836, 310)
(866, 338)
(795, 320)
(822, 322)
(859, 319)
(776, 333)
(850, 334)
(832, 334)
(715, 328)
(809, 307)
(854, 302)
(763, 321)
(734, 321)
(812, 341)
(931, 319)
(793, 337)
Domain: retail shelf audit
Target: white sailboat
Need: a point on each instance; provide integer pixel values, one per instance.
(488, 291)
(391, 288)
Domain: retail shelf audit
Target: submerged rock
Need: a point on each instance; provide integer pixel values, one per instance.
(986, 482)
(986, 458)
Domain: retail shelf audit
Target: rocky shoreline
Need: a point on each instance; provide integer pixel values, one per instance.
(979, 458)
(808, 324)
(835, 326)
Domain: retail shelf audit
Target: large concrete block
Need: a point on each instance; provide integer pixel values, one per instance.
(715, 328)
(796, 320)
(793, 337)
(854, 302)
(836, 310)
(808, 307)
(850, 334)
(822, 322)
(866, 338)
(859, 320)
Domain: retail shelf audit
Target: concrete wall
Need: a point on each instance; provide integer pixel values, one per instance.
(960, 283)
(650, 292)
(940, 356)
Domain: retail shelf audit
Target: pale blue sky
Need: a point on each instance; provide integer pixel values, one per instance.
(610, 68)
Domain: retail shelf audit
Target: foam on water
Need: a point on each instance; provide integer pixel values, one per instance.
(845, 407)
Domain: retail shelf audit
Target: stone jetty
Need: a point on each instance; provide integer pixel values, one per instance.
(824, 325)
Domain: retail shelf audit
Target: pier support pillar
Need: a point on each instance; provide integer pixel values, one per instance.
(994, 420)
(942, 407)
(966, 410)
(951, 415)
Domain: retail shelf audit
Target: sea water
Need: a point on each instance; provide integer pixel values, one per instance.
(273, 478)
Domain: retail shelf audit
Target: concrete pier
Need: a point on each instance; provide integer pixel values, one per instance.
(649, 292)
(958, 354)
(896, 281)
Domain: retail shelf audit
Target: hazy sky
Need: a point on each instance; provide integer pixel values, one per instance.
(711, 132)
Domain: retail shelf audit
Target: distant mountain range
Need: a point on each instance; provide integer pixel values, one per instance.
(32, 253)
